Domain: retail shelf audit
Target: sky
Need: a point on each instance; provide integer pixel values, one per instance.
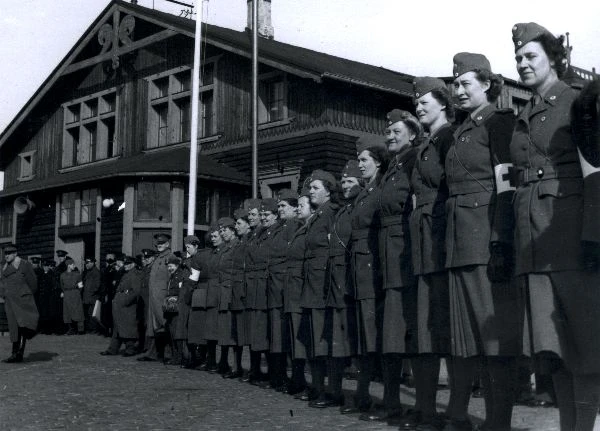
(417, 37)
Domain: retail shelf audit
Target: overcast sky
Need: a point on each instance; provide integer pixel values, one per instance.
(416, 37)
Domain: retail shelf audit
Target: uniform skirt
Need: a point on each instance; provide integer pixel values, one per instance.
(195, 326)
(312, 332)
(341, 331)
(563, 317)
(225, 328)
(259, 330)
(297, 346)
(369, 316)
(210, 331)
(399, 330)
(279, 337)
(433, 313)
(181, 333)
(72, 306)
(484, 317)
(240, 327)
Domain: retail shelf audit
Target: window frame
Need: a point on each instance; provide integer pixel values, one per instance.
(9, 209)
(264, 80)
(22, 159)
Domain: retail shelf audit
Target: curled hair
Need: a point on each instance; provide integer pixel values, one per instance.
(290, 201)
(334, 192)
(442, 95)
(556, 51)
(496, 83)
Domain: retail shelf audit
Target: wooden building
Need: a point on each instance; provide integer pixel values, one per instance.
(98, 158)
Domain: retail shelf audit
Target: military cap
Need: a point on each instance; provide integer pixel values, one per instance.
(250, 204)
(61, 253)
(214, 227)
(240, 213)
(90, 259)
(425, 84)
(173, 259)
(48, 262)
(285, 194)
(161, 238)
(128, 259)
(320, 174)
(34, 259)
(191, 239)
(147, 252)
(305, 190)
(351, 169)
(120, 256)
(523, 33)
(467, 62)
(69, 260)
(369, 141)
(269, 204)
(226, 222)
(408, 119)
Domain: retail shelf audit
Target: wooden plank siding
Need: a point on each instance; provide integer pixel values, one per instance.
(35, 228)
(112, 220)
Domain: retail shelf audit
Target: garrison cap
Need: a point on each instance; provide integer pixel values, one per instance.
(214, 227)
(285, 194)
(269, 204)
(129, 259)
(191, 239)
(147, 252)
(525, 32)
(467, 62)
(305, 190)
(408, 119)
(35, 259)
(161, 238)
(90, 259)
(174, 260)
(351, 169)
(369, 141)
(425, 84)
(226, 222)
(61, 253)
(320, 174)
(240, 213)
(250, 204)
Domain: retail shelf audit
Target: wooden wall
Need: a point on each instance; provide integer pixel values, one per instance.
(35, 229)
(111, 237)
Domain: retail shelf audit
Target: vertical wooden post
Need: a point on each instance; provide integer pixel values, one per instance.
(255, 98)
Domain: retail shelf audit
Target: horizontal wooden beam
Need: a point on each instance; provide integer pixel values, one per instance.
(157, 37)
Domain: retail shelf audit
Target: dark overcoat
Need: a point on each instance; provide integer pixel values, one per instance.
(72, 305)
(226, 271)
(157, 290)
(428, 219)
(340, 287)
(238, 288)
(18, 283)
(124, 304)
(91, 285)
(279, 241)
(294, 277)
(257, 256)
(203, 262)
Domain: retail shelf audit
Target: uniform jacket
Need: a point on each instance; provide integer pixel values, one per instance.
(395, 207)
(202, 262)
(91, 285)
(366, 272)
(548, 204)
(340, 287)
(279, 242)
(316, 278)
(473, 218)
(157, 290)
(226, 273)
(124, 304)
(72, 305)
(238, 289)
(294, 277)
(213, 290)
(18, 284)
(257, 257)
(428, 219)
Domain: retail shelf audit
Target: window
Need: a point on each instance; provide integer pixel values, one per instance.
(88, 205)
(26, 168)
(6, 220)
(89, 129)
(203, 206)
(272, 104)
(229, 200)
(67, 208)
(153, 202)
(170, 112)
(78, 207)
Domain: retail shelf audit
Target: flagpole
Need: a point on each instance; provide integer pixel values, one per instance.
(255, 98)
(191, 220)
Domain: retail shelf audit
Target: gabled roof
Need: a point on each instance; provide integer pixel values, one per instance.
(293, 59)
(167, 162)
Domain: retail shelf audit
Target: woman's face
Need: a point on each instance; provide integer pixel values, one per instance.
(348, 183)
(318, 193)
(428, 109)
(215, 238)
(253, 217)
(304, 210)
(398, 135)
(285, 210)
(227, 233)
(191, 249)
(267, 218)
(471, 93)
(242, 227)
(368, 165)
(534, 66)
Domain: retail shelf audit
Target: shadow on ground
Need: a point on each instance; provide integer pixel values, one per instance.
(40, 356)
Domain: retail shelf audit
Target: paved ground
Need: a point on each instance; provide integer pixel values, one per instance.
(65, 384)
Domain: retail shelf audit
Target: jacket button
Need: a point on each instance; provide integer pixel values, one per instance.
(543, 118)
(475, 204)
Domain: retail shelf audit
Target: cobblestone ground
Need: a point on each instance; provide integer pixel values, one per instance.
(65, 384)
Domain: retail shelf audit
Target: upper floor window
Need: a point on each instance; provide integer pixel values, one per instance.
(169, 119)
(26, 166)
(272, 92)
(6, 220)
(153, 201)
(89, 129)
(78, 207)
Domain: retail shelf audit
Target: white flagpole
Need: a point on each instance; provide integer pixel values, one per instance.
(191, 221)
(255, 98)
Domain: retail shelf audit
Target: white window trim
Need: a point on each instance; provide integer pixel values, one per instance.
(21, 160)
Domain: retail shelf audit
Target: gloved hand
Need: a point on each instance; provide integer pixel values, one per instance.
(500, 265)
(591, 256)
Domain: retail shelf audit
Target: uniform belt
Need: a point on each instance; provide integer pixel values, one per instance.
(429, 197)
(547, 172)
(392, 220)
(467, 187)
(311, 254)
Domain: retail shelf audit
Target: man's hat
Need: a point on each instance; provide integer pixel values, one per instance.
(467, 62)
(162, 238)
(48, 262)
(269, 204)
(9, 248)
(250, 204)
(147, 252)
(425, 84)
(226, 222)
(240, 213)
(286, 194)
(69, 260)
(128, 259)
(523, 33)
(90, 259)
(35, 259)
(173, 259)
(61, 253)
(120, 256)
(320, 174)
(351, 169)
(191, 239)
(370, 141)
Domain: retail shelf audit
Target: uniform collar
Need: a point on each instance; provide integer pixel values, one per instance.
(483, 115)
(554, 92)
(435, 136)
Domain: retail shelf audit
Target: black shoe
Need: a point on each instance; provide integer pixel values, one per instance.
(477, 393)
(327, 400)
(459, 425)
(294, 389)
(537, 402)
(129, 353)
(410, 420)
(108, 353)
(357, 407)
(146, 359)
(266, 384)
(233, 374)
(14, 358)
(307, 394)
(223, 369)
(212, 368)
(382, 415)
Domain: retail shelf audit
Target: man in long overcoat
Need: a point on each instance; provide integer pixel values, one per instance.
(91, 292)
(18, 283)
(71, 284)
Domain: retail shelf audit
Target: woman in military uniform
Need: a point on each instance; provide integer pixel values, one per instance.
(483, 304)
(558, 226)
(323, 196)
(210, 305)
(191, 244)
(175, 288)
(427, 230)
